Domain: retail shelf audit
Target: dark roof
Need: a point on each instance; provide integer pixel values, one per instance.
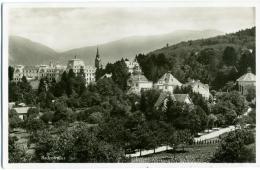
(162, 97)
(181, 97)
(31, 68)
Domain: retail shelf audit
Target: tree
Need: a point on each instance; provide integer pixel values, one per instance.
(148, 99)
(96, 117)
(107, 87)
(15, 94)
(77, 144)
(70, 82)
(32, 113)
(251, 94)
(15, 154)
(44, 145)
(10, 73)
(252, 115)
(14, 120)
(211, 120)
(34, 124)
(120, 74)
(42, 86)
(247, 60)
(89, 99)
(236, 99)
(179, 137)
(230, 56)
(47, 117)
(143, 136)
(207, 56)
(80, 82)
(227, 110)
(233, 148)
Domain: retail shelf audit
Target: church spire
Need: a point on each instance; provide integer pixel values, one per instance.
(97, 60)
(97, 55)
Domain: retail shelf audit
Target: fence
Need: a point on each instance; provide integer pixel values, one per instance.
(206, 142)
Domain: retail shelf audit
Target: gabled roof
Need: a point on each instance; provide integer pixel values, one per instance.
(31, 68)
(247, 77)
(162, 97)
(194, 83)
(168, 78)
(181, 97)
(21, 110)
(106, 76)
(138, 78)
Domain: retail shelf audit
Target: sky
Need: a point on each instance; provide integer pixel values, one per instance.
(67, 28)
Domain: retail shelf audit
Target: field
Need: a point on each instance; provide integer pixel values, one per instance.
(194, 153)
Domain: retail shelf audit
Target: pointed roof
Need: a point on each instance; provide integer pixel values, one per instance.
(97, 55)
(169, 79)
(194, 83)
(162, 97)
(249, 76)
(22, 110)
(139, 78)
(181, 97)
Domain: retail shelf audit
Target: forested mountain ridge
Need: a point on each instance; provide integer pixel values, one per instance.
(214, 61)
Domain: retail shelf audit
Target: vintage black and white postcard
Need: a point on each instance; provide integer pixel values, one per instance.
(121, 82)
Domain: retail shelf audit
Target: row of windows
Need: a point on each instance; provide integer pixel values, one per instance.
(30, 71)
(90, 79)
(86, 71)
(90, 74)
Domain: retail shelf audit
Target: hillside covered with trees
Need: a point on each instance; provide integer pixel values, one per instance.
(216, 61)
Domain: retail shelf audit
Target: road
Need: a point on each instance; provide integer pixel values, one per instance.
(210, 135)
(215, 134)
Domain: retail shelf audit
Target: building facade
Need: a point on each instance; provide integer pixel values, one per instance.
(138, 82)
(52, 72)
(133, 66)
(167, 83)
(77, 65)
(198, 87)
(246, 82)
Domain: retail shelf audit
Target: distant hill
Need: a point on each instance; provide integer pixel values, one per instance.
(131, 46)
(24, 51)
(27, 52)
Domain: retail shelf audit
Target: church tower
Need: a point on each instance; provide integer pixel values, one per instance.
(97, 60)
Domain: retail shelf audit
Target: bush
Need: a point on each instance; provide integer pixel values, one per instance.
(47, 117)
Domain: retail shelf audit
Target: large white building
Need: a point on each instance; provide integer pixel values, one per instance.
(167, 83)
(52, 72)
(76, 65)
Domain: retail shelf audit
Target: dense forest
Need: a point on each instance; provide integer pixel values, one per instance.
(215, 61)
